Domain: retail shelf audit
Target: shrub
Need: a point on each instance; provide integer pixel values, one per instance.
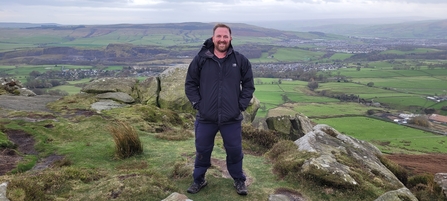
(420, 121)
(127, 141)
(258, 141)
(424, 187)
(312, 85)
(182, 170)
(444, 108)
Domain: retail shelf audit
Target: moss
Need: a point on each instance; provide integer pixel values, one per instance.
(42, 186)
(287, 159)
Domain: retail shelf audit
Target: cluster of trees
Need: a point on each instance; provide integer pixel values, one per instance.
(35, 80)
(40, 83)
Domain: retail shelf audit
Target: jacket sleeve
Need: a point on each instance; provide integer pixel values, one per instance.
(192, 82)
(247, 84)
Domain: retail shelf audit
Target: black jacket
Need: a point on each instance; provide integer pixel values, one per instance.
(219, 90)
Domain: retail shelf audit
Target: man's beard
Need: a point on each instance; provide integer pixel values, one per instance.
(222, 47)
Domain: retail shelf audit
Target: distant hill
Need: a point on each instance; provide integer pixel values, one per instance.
(167, 34)
(391, 28)
(23, 25)
(121, 43)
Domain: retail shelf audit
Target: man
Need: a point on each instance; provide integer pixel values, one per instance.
(219, 84)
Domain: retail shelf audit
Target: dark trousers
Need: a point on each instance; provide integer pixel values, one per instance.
(232, 138)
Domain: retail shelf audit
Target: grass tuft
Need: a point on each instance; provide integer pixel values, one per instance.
(127, 141)
(400, 172)
(175, 134)
(424, 187)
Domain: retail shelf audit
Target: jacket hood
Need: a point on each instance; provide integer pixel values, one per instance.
(208, 48)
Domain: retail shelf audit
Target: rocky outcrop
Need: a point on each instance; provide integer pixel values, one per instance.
(441, 180)
(104, 85)
(336, 159)
(399, 194)
(11, 86)
(117, 96)
(172, 89)
(3, 187)
(165, 91)
(291, 127)
(177, 197)
(335, 153)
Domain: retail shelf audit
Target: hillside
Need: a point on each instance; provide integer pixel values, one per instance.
(184, 34)
(391, 28)
(123, 44)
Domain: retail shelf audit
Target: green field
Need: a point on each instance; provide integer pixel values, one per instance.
(331, 109)
(398, 89)
(388, 136)
(415, 51)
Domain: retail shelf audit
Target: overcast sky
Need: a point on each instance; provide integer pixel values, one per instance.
(70, 12)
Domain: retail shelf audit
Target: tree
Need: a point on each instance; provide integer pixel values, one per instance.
(370, 84)
(312, 85)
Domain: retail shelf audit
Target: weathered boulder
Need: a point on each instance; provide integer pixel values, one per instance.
(25, 92)
(11, 86)
(172, 89)
(399, 194)
(148, 91)
(338, 159)
(252, 109)
(117, 96)
(112, 84)
(106, 105)
(441, 180)
(176, 197)
(291, 127)
(3, 188)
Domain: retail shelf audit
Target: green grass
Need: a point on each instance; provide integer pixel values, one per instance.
(379, 133)
(69, 89)
(331, 109)
(87, 144)
(415, 51)
(294, 54)
(340, 56)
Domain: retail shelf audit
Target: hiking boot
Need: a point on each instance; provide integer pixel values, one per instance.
(240, 187)
(195, 187)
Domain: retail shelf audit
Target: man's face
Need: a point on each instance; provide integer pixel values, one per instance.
(221, 39)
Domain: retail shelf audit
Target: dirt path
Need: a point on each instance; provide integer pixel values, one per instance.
(8, 157)
(419, 164)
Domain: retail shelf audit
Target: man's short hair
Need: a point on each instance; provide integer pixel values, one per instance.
(223, 26)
